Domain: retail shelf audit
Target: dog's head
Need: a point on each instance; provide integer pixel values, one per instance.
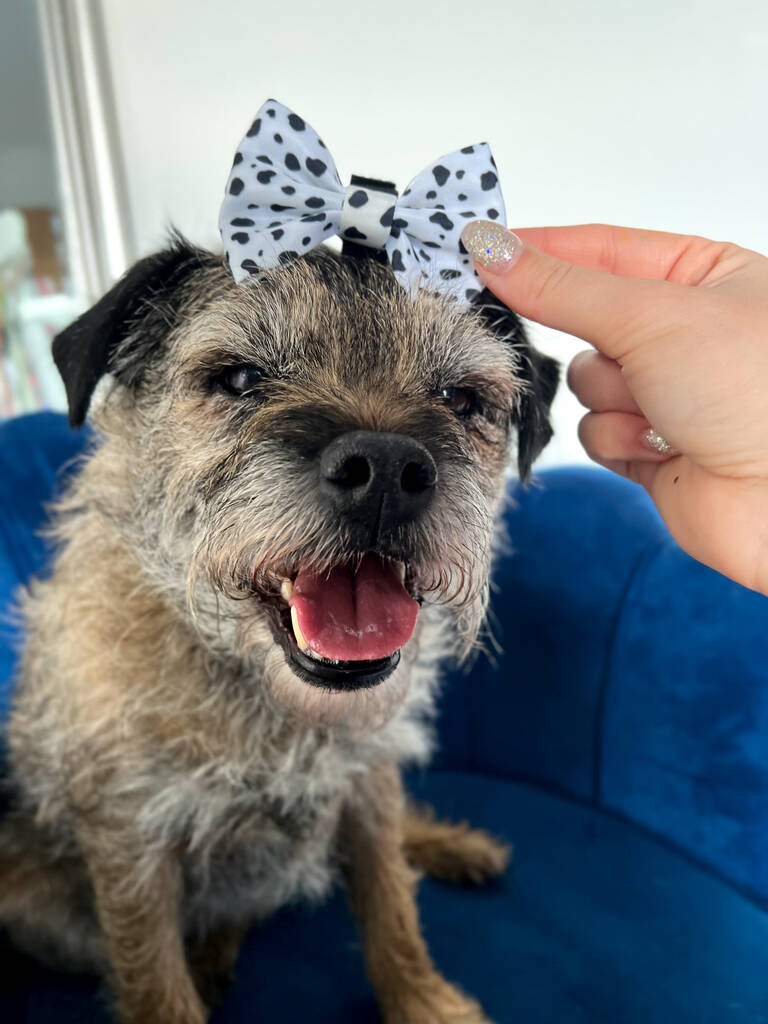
(308, 462)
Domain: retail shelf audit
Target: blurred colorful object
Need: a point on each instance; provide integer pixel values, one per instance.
(34, 305)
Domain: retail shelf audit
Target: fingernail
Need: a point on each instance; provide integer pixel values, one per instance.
(494, 247)
(651, 439)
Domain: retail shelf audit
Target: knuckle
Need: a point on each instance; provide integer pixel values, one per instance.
(552, 280)
(595, 437)
(586, 430)
(578, 369)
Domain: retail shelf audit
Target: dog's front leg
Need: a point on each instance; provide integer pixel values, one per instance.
(137, 901)
(381, 885)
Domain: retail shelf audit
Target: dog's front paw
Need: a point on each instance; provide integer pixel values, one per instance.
(452, 852)
(435, 1003)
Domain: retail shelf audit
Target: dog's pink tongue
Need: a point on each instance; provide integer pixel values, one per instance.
(354, 617)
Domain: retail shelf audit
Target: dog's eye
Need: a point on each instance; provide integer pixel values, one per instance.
(462, 401)
(241, 380)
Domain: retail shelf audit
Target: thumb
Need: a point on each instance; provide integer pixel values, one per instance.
(606, 310)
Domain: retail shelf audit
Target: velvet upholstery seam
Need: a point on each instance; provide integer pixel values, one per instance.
(751, 896)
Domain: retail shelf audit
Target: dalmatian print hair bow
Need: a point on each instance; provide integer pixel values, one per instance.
(284, 196)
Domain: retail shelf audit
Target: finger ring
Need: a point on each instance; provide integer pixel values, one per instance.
(657, 443)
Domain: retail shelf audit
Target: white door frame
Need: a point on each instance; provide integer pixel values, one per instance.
(98, 231)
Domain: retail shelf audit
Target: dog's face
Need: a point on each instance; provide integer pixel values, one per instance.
(311, 460)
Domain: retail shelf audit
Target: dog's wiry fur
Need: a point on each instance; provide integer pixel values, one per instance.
(173, 781)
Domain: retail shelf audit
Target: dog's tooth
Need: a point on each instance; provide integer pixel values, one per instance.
(303, 645)
(286, 589)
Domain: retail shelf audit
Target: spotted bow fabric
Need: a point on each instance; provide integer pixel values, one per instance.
(284, 196)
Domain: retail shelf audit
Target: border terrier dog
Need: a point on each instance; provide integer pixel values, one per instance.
(284, 523)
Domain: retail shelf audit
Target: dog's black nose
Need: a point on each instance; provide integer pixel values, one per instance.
(376, 479)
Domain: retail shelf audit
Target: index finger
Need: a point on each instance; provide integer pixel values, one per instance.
(628, 252)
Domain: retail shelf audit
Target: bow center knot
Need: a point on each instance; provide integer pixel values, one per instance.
(367, 215)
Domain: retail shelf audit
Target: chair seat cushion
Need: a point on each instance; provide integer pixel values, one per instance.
(596, 921)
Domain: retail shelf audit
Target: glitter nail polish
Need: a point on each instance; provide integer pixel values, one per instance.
(653, 440)
(493, 247)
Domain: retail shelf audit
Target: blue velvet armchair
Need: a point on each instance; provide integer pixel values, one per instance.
(620, 741)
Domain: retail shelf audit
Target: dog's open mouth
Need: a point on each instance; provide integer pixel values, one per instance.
(344, 628)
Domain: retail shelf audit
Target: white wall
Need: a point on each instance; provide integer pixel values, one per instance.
(647, 113)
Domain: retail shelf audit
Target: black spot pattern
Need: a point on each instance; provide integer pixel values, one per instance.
(357, 199)
(488, 181)
(316, 167)
(264, 160)
(236, 186)
(278, 234)
(250, 266)
(254, 129)
(493, 213)
(468, 149)
(442, 220)
(386, 218)
(354, 234)
(242, 222)
(315, 202)
(264, 177)
(308, 218)
(449, 275)
(288, 189)
(442, 174)
(306, 240)
(279, 209)
(278, 138)
(431, 194)
(461, 197)
(296, 123)
(238, 159)
(241, 237)
(397, 260)
(292, 162)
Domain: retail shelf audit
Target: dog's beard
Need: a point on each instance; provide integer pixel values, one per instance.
(240, 622)
(331, 628)
(353, 712)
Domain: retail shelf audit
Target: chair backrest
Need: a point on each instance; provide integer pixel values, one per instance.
(631, 677)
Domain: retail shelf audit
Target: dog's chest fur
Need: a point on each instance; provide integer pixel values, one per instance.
(262, 834)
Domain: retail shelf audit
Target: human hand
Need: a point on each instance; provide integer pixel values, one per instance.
(680, 324)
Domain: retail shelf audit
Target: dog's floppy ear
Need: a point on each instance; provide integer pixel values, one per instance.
(534, 428)
(540, 375)
(151, 289)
